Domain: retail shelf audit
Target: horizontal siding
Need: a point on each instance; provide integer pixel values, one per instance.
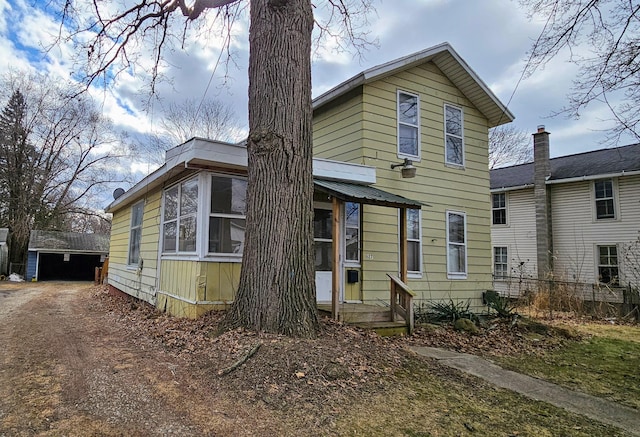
(337, 131)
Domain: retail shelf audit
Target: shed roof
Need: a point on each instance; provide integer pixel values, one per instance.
(364, 194)
(603, 162)
(4, 234)
(450, 63)
(68, 241)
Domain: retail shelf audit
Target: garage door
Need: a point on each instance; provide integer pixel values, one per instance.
(52, 266)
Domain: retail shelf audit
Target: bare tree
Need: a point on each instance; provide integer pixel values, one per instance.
(55, 152)
(509, 146)
(603, 40)
(277, 286)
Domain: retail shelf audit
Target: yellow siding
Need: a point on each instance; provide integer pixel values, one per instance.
(337, 131)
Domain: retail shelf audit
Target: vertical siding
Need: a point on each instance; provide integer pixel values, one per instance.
(519, 236)
(32, 261)
(576, 233)
(441, 187)
(138, 282)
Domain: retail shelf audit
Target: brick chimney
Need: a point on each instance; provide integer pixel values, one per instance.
(542, 171)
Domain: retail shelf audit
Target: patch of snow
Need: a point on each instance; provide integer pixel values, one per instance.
(14, 277)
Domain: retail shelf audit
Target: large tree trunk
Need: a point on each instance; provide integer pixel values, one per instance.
(277, 284)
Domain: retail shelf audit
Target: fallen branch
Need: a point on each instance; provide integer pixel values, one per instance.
(240, 360)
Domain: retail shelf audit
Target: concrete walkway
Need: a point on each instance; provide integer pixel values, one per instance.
(595, 408)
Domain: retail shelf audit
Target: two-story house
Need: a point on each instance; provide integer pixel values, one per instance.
(400, 159)
(569, 219)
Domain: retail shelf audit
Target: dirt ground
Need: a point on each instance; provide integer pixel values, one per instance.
(75, 361)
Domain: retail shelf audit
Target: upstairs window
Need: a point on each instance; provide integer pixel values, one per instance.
(135, 234)
(352, 231)
(499, 208)
(605, 208)
(408, 125)
(608, 265)
(454, 144)
(180, 221)
(456, 245)
(500, 263)
(227, 217)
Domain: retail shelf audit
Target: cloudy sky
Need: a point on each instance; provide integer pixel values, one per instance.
(493, 36)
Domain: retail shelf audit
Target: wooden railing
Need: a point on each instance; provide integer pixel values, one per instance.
(401, 302)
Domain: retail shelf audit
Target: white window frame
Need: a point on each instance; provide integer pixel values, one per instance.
(505, 276)
(457, 274)
(612, 198)
(413, 273)
(401, 154)
(236, 257)
(505, 208)
(358, 227)
(180, 217)
(133, 226)
(453, 135)
(599, 265)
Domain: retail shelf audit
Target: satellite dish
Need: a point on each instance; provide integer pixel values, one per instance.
(117, 193)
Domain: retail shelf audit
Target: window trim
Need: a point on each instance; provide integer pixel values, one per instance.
(505, 208)
(197, 215)
(401, 155)
(131, 229)
(415, 274)
(506, 263)
(598, 265)
(446, 134)
(614, 198)
(451, 274)
(347, 261)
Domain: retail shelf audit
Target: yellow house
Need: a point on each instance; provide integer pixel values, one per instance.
(400, 158)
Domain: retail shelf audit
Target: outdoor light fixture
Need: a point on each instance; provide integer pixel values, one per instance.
(408, 170)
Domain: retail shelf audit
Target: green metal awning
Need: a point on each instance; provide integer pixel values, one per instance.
(349, 192)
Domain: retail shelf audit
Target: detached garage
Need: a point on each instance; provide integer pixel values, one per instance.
(68, 256)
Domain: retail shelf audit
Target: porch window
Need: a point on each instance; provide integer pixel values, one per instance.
(500, 263)
(608, 265)
(499, 208)
(352, 232)
(180, 222)
(454, 144)
(456, 245)
(227, 216)
(604, 199)
(408, 125)
(414, 241)
(135, 234)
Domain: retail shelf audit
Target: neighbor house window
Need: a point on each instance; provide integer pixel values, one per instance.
(500, 263)
(499, 208)
(414, 241)
(454, 144)
(456, 245)
(608, 264)
(180, 222)
(408, 125)
(135, 234)
(227, 218)
(352, 231)
(604, 199)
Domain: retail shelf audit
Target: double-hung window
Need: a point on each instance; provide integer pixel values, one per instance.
(608, 264)
(408, 125)
(456, 245)
(499, 208)
(414, 242)
(605, 205)
(352, 232)
(454, 135)
(135, 234)
(227, 218)
(500, 262)
(180, 217)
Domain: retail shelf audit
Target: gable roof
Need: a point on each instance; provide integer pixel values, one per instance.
(450, 63)
(68, 241)
(589, 165)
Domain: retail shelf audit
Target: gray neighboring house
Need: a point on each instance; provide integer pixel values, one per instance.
(568, 218)
(4, 251)
(67, 256)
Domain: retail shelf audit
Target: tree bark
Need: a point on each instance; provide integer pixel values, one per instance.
(277, 284)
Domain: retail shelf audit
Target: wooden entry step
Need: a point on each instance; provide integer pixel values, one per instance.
(375, 317)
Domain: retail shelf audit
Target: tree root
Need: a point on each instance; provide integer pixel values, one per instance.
(240, 360)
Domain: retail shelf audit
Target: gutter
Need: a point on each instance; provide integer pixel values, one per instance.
(517, 187)
(594, 177)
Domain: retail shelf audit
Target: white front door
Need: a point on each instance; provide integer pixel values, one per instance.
(323, 240)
